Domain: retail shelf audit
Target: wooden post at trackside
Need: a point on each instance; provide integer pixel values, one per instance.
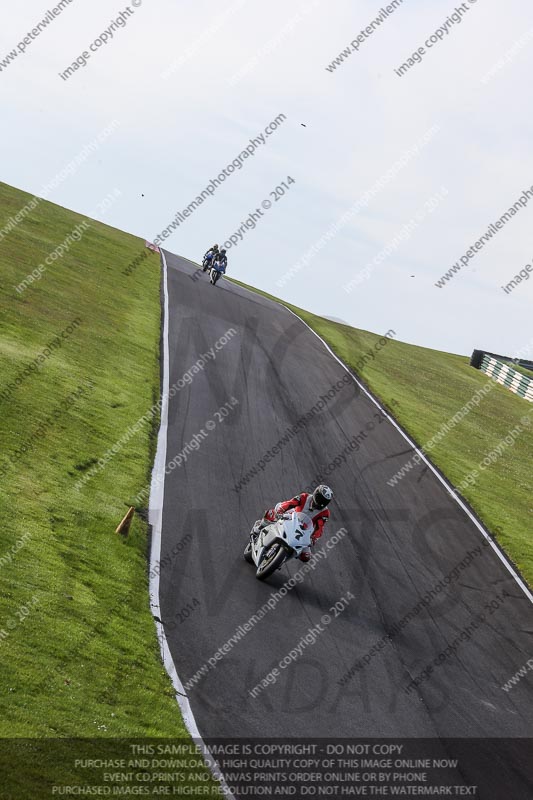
(124, 526)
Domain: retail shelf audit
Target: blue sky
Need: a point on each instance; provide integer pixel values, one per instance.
(190, 84)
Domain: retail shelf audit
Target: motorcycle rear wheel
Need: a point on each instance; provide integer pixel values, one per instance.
(272, 561)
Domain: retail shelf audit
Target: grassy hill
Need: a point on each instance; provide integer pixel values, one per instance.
(78, 365)
(78, 368)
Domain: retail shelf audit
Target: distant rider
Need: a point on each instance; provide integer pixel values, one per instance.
(314, 505)
(220, 261)
(211, 253)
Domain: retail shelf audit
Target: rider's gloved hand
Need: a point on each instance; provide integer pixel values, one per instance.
(305, 555)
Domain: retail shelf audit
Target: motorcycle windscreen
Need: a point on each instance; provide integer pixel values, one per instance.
(297, 530)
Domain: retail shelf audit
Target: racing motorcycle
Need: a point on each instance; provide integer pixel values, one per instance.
(216, 272)
(274, 544)
(206, 263)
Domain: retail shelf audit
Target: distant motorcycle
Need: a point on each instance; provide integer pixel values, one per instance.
(216, 272)
(206, 263)
(269, 548)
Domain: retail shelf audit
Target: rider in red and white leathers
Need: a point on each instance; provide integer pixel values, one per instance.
(312, 504)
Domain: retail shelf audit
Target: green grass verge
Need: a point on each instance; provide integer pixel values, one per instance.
(78, 648)
(425, 388)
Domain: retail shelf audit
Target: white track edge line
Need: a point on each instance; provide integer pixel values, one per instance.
(435, 471)
(415, 447)
(155, 518)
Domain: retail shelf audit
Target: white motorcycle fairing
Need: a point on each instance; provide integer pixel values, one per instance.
(278, 542)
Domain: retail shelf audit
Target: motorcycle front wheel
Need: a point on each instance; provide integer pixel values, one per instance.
(271, 562)
(247, 555)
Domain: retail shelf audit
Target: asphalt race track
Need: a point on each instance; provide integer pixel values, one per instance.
(400, 542)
